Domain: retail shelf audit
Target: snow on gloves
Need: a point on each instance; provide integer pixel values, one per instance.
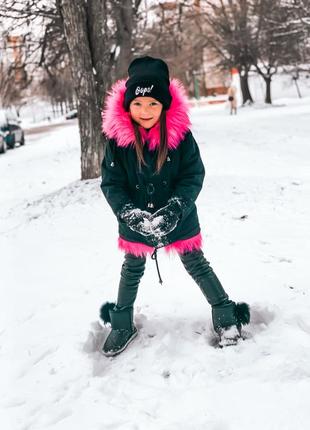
(159, 224)
(165, 220)
(136, 219)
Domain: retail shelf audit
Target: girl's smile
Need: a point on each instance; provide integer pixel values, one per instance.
(145, 111)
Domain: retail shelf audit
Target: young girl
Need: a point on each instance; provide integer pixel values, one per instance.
(152, 174)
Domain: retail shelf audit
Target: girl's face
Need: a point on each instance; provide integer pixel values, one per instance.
(145, 111)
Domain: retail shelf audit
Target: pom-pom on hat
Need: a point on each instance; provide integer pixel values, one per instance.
(148, 77)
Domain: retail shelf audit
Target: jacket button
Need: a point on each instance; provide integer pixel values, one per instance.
(150, 189)
(137, 187)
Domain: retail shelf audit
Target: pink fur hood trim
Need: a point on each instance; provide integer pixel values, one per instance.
(180, 246)
(116, 122)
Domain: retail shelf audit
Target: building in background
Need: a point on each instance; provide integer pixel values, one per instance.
(13, 55)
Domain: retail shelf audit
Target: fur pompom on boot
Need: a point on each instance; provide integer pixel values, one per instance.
(242, 313)
(105, 312)
(228, 319)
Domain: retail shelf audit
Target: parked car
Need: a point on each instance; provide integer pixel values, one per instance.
(2, 143)
(10, 127)
(71, 114)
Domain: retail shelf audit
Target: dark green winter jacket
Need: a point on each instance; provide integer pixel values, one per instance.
(181, 176)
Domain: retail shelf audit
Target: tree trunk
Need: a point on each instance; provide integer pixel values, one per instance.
(245, 89)
(124, 18)
(297, 87)
(100, 47)
(268, 90)
(75, 21)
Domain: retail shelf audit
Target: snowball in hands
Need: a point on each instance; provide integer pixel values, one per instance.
(161, 223)
(164, 221)
(137, 220)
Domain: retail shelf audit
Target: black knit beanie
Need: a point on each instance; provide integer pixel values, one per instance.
(148, 77)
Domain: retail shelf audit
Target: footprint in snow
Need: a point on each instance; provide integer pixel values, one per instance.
(96, 336)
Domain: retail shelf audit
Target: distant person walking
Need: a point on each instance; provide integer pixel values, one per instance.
(232, 98)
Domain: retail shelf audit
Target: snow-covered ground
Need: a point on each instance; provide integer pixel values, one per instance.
(59, 262)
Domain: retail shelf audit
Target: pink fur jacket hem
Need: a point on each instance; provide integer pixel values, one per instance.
(180, 246)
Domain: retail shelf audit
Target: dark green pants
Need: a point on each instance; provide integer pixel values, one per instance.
(195, 264)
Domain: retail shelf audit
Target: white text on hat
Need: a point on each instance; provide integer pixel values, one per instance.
(144, 90)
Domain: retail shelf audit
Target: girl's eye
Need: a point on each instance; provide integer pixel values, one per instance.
(139, 104)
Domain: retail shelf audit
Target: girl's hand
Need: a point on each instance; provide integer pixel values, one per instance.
(163, 223)
(165, 220)
(136, 219)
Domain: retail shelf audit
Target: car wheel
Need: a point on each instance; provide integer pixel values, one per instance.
(3, 148)
(11, 145)
(22, 141)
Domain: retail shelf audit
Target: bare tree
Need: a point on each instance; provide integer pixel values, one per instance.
(93, 52)
(97, 36)
(125, 15)
(300, 22)
(172, 34)
(278, 41)
(41, 28)
(228, 29)
(57, 86)
(255, 34)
